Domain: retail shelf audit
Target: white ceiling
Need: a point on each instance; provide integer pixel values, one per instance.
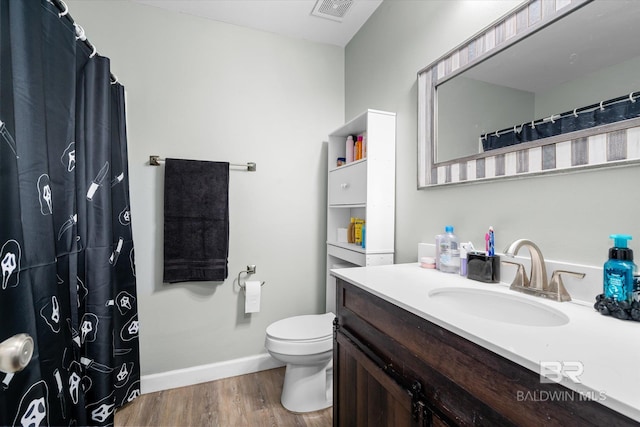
(285, 17)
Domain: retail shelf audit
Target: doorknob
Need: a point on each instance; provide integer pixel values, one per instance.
(15, 353)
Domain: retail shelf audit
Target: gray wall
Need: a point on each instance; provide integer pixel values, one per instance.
(483, 107)
(201, 89)
(611, 82)
(570, 216)
(486, 107)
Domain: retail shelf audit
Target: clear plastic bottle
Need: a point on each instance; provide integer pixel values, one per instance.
(449, 251)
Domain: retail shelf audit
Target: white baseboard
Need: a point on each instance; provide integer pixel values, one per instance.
(205, 373)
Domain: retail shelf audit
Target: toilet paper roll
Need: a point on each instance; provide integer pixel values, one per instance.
(252, 291)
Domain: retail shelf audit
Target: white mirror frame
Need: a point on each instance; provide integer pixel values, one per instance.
(615, 144)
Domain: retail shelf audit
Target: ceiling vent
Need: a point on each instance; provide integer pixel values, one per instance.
(332, 9)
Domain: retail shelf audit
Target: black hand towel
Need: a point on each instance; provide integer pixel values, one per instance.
(196, 220)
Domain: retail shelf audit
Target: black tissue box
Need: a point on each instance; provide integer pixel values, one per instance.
(483, 268)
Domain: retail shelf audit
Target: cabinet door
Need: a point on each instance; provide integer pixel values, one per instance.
(348, 185)
(364, 395)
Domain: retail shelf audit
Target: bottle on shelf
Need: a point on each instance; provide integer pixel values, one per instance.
(364, 236)
(350, 231)
(359, 223)
(349, 149)
(358, 150)
(364, 145)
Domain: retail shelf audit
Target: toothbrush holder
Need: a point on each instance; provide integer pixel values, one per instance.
(483, 268)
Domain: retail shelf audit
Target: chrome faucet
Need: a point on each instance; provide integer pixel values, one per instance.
(537, 283)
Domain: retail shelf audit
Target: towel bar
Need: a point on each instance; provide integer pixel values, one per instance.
(251, 269)
(251, 166)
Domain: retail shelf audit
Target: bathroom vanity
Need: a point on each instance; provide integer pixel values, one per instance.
(403, 357)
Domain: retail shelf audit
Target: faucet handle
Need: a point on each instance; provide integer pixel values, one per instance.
(557, 287)
(520, 280)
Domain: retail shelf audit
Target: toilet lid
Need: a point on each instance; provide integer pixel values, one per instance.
(302, 328)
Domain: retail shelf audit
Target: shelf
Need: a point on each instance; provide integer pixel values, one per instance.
(357, 205)
(347, 165)
(356, 248)
(361, 123)
(365, 189)
(349, 246)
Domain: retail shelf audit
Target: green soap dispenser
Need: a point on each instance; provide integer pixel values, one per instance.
(619, 270)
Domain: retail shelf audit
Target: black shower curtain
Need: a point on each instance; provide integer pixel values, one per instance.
(612, 111)
(67, 260)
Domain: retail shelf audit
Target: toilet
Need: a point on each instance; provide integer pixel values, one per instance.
(305, 344)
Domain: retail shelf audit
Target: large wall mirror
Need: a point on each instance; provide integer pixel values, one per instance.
(552, 86)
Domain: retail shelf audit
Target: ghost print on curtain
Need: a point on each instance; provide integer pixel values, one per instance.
(66, 248)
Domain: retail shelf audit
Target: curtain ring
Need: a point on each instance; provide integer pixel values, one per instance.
(533, 126)
(515, 130)
(631, 97)
(94, 52)
(574, 113)
(115, 79)
(551, 118)
(497, 135)
(79, 32)
(484, 138)
(601, 107)
(65, 11)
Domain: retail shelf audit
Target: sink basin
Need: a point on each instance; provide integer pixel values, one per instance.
(499, 307)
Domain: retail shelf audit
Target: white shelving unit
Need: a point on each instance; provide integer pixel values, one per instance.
(364, 189)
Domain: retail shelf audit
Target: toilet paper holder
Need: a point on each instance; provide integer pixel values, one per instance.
(251, 269)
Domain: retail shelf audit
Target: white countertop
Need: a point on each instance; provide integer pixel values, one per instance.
(607, 348)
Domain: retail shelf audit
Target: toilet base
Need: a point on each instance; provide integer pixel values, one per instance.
(307, 388)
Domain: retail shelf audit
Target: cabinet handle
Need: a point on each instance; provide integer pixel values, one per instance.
(344, 185)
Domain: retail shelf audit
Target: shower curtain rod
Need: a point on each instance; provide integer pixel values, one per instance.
(250, 166)
(80, 35)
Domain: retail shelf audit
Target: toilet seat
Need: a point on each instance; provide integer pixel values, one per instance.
(300, 335)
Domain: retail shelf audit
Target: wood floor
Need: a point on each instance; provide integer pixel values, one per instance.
(247, 400)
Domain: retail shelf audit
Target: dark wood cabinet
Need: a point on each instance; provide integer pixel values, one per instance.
(368, 395)
(393, 368)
